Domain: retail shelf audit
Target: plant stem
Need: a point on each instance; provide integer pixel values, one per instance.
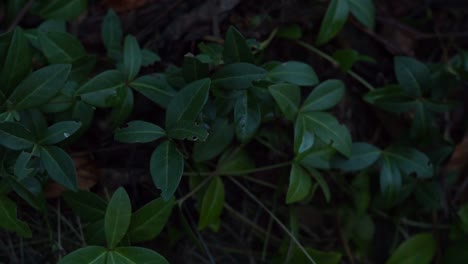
(282, 226)
(240, 172)
(194, 191)
(329, 58)
(20, 15)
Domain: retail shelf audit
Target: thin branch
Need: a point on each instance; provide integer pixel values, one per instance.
(20, 15)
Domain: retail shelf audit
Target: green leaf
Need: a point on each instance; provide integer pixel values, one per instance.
(166, 168)
(410, 160)
(101, 91)
(62, 9)
(317, 157)
(59, 132)
(59, 166)
(327, 128)
(131, 57)
(39, 87)
(412, 75)
(60, 47)
(335, 17)
(232, 160)
(212, 203)
(15, 136)
(390, 177)
(9, 220)
(133, 255)
(121, 112)
(247, 117)
(321, 181)
(155, 89)
(193, 69)
(17, 62)
(139, 132)
(82, 68)
(364, 11)
(30, 189)
(299, 184)
(236, 48)
(89, 254)
(22, 166)
(324, 96)
(117, 217)
(363, 155)
(418, 249)
(150, 220)
(87, 205)
(111, 33)
(187, 131)
(94, 233)
(188, 102)
(304, 137)
(238, 76)
(148, 57)
(390, 98)
(294, 72)
(221, 135)
(288, 98)
(293, 31)
(34, 121)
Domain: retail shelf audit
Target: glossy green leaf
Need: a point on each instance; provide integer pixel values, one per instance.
(247, 117)
(188, 102)
(232, 160)
(327, 128)
(238, 76)
(188, 131)
(95, 234)
(363, 155)
(418, 249)
(82, 68)
(30, 190)
(139, 132)
(221, 135)
(166, 168)
(111, 33)
(34, 121)
(335, 17)
(59, 166)
(318, 157)
(101, 91)
(59, 132)
(304, 137)
(193, 69)
(294, 72)
(131, 57)
(324, 96)
(87, 205)
(212, 203)
(9, 221)
(236, 48)
(60, 47)
(288, 98)
(363, 11)
(299, 184)
(155, 89)
(62, 9)
(410, 160)
(17, 62)
(390, 177)
(412, 75)
(390, 98)
(121, 112)
(134, 255)
(117, 217)
(148, 221)
(22, 166)
(148, 57)
(39, 87)
(15, 136)
(89, 254)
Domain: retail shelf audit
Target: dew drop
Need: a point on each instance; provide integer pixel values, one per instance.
(66, 135)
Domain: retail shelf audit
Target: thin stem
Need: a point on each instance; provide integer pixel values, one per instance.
(240, 172)
(285, 229)
(335, 63)
(195, 190)
(20, 15)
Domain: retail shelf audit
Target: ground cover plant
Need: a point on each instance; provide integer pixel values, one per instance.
(233, 132)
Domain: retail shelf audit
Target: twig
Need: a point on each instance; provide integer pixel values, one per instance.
(285, 229)
(344, 241)
(20, 15)
(240, 172)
